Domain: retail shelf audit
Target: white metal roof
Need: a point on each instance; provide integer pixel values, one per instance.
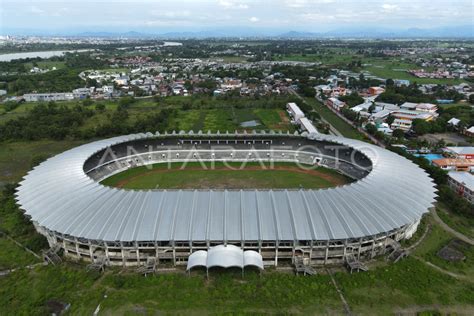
(225, 256)
(59, 196)
(466, 178)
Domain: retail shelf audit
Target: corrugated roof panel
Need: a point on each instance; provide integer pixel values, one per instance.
(216, 222)
(250, 216)
(233, 216)
(61, 197)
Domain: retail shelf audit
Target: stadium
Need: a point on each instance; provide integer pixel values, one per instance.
(87, 220)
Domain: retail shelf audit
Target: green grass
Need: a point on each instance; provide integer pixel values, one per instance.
(337, 57)
(397, 69)
(47, 64)
(16, 157)
(381, 291)
(408, 283)
(206, 113)
(13, 256)
(437, 239)
(345, 129)
(220, 176)
(460, 223)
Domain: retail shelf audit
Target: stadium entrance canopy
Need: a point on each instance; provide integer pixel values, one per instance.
(225, 256)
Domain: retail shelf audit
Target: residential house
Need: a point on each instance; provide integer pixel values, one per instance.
(460, 152)
(463, 184)
(335, 103)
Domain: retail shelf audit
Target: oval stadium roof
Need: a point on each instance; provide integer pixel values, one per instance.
(59, 196)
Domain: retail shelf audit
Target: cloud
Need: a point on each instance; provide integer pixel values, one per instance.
(254, 19)
(389, 7)
(305, 3)
(36, 10)
(227, 4)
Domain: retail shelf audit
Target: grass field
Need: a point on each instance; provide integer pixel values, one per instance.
(409, 286)
(206, 113)
(220, 176)
(384, 67)
(16, 158)
(462, 224)
(397, 69)
(345, 129)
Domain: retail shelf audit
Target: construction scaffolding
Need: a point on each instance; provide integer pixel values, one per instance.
(98, 264)
(51, 256)
(396, 252)
(301, 267)
(353, 264)
(148, 268)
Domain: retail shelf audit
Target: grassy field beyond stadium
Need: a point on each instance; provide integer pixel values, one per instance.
(226, 176)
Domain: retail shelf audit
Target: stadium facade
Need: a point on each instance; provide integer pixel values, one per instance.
(67, 204)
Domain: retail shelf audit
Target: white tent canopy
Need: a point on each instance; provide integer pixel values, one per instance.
(225, 256)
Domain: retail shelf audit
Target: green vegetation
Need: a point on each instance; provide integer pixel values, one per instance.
(62, 80)
(435, 241)
(345, 129)
(225, 176)
(81, 120)
(17, 158)
(407, 283)
(14, 224)
(460, 222)
(392, 68)
(14, 256)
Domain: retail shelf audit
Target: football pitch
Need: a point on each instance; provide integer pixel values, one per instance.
(219, 175)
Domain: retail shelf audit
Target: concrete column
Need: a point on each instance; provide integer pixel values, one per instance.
(77, 248)
(360, 246)
(91, 252)
(138, 252)
(327, 253)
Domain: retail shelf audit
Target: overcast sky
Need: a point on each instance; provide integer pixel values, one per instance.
(196, 15)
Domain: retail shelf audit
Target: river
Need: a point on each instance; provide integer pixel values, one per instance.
(46, 54)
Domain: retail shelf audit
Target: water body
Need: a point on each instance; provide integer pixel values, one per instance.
(48, 54)
(172, 44)
(430, 157)
(253, 123)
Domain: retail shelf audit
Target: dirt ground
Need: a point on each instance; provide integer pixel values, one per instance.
(449, 138)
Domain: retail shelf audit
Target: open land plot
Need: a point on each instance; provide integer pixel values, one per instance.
(14, 256)
(460, 223)
(409, 284)
(16, 158)
(397, 69)
(345, 129)
(226, 176)
(47, 64)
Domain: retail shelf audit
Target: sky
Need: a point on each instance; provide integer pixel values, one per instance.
(199, 15)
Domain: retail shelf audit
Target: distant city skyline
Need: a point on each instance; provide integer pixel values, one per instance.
(264, 17)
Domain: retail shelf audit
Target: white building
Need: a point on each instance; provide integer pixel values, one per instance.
(46, 97)
(463, 184)
(306, 125)
(294, 111)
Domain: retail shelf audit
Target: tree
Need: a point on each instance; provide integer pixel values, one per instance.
(371, 108)
(371, 129)
(100, 107)
(390, 119)
(390, 83)
(87, 102)
(421, 127)
(471, 99)
(398, 133)
(125, 102)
